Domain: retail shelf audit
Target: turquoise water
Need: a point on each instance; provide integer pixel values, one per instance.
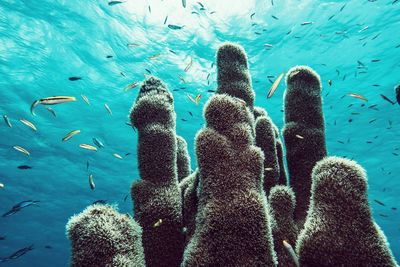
(43, 43)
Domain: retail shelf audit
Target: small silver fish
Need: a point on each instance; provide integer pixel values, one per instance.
(52, 100)
(85, 99)
(7, 121)
(189, 64)
(158, 223)
(118, 156)
(29, 124)
(363, 29)
(1, 185)
(70, 135)
(291, 252)
(22, 150)
(88, 147)
(275, 85)
(108, 109)
(91, 182)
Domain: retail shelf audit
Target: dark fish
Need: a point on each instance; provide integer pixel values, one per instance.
(252, 15)
(379, 202)
(148, 71)
(48, 247)
(74, 78)
(10, 212)
(288, 32)
(51, 111)
(20, 252)
(87, 165)
(376, 36)
(394, 208)
(3, 237)
(371, 121)
(373, 106)
(338, 72)
(387, 99)
(331, 17)
(274, 17)
(24, 167)
(184, 3)
(174, 27)
(100, 201)
(383, 215)
(183, 120)
(127, 154)
(149, 9)
(109, 56)
(190, 113)
(211, 91)
(200, 4)
(7, 121)
(213, 12)
(341, 142)
(194, 12)
(395, 154)
(341, 9)
(125, 198)
(26, 203)
(97, 142)
(272, 2)
(375, 60)
(113, 3)
(397, 92)
(172, 51)
(165, 21)
(330, 82)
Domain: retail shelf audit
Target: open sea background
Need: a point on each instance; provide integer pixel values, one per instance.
(43, 43)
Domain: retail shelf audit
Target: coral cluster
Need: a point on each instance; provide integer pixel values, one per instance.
(238, 208)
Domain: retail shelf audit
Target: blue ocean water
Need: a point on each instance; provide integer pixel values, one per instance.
(354, 44)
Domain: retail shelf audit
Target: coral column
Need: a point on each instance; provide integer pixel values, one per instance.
(157, 197)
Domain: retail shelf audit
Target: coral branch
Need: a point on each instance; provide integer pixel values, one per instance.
(304, 133)
(157, 197)
(340, 230)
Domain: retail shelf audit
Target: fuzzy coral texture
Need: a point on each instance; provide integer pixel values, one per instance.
(100, 236)
(236, 208)
(339, 230)
(304, 132)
